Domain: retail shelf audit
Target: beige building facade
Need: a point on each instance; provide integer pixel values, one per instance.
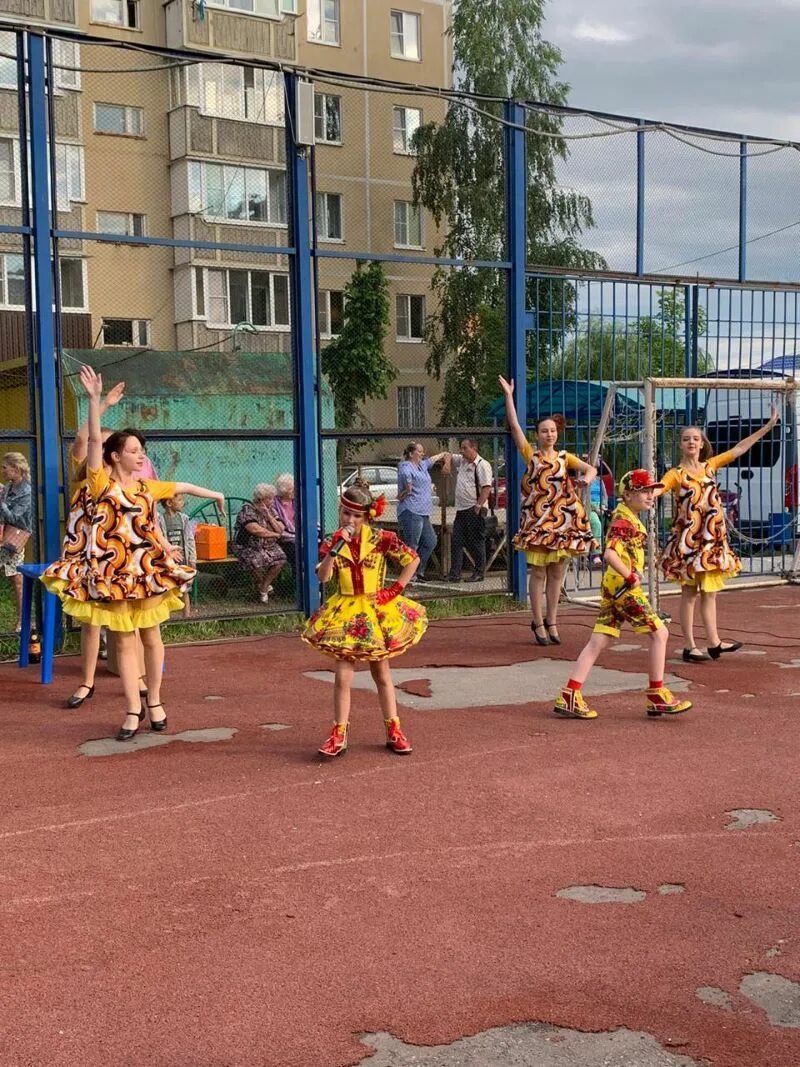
(159, 148)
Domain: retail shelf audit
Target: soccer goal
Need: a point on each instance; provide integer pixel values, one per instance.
(732, 409)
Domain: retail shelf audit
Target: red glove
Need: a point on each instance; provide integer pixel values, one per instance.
(383, 596)
(632, 579)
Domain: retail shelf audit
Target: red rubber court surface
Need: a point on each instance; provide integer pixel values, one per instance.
(241, 903)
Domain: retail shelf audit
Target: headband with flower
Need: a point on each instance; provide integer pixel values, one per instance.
(373, 510)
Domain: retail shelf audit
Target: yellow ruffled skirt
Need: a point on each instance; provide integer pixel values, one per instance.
(121, 616)
(357, 628)
(543, 557)
(706, 581)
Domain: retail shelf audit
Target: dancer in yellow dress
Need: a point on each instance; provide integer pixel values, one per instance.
(364, 621)
(697, 553)
(554, 521)
(119, 575)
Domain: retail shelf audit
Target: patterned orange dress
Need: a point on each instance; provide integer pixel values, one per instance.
(697, 551)
(350, 625)
(114, 571)
(554, 521)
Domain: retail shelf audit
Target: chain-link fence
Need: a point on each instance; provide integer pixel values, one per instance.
(297, 285)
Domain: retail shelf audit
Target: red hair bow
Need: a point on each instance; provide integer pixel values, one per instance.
(378, 507)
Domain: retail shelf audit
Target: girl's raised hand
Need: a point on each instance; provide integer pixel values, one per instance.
(91, 382)
(773, 418)
(506, 386)
(115, 394)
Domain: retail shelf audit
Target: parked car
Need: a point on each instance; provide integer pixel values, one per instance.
(381, 478)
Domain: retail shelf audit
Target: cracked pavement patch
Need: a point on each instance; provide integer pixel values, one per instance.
(744, 818)
(779, 997)
(531, 1045)
(602, 894)
(716, 997)
(108, 746)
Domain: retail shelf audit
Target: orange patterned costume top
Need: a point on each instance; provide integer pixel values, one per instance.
(553, 518)
(351, 625)
(114, 571)
(697, 551)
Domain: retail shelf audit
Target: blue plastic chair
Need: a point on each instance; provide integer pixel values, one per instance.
(51, 619)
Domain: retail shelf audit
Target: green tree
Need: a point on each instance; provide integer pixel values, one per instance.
(653, 346)
(354, 362)
(459, 178)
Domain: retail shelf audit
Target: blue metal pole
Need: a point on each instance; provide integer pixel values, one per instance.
(640, 199)
(516, 222)
(45, 352)
(306, 383)
(742, 210)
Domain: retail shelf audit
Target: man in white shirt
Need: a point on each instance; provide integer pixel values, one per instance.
(473, 486)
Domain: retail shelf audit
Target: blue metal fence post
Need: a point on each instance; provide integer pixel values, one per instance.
(42, 270)
(516, 223)
(640, 199)
(742, 210)
(305, 364)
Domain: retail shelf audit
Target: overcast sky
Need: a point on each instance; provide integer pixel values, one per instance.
(725, 64)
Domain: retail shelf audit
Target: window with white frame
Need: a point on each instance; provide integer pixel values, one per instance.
(225, 297)
(66, 57)
(407, 224)
(12, 280)
(69, 175)
(405, 123)
(329, 217)
(269, 8)
(125, 223)
(134, 332)
(405, 34)
(410, 317)
(72, 280)
(232, 92)
(238, 194)
(123, 13)
(324, 21)
(120, 119)
(327, 118)
(330, 312)
(9, 171)
(410, 406)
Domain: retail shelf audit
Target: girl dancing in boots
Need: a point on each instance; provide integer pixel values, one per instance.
(363, 621)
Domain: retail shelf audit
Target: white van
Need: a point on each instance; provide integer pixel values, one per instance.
(758, 478)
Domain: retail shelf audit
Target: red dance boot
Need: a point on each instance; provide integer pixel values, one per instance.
(396, 740)
(336, 745)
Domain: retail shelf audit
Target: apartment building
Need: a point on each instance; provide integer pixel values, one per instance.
(146, 147)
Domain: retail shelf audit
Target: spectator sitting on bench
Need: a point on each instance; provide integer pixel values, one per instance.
(178, 531)
(256, 538)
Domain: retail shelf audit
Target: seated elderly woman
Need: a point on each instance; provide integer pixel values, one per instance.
(284, 509)
(16, 521)
(256, 538)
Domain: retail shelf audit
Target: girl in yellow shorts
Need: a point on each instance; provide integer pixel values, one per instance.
(697, 553)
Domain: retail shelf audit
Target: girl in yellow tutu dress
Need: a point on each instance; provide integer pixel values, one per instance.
(118, 573)
(364, 621)
(555, 525)
(697, 553)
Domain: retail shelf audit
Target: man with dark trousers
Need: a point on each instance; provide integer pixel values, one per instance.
(473, 486)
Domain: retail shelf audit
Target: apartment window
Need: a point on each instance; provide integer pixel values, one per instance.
(244, 93)
(324, 25)
(405, 34)
(405, 123)
(125, 223)
(407, 224)
(9, 183)
(329, 216)
(410, 406)
(66, 57)
(270, 8)
(327, 118)
(69, 175)
(12, 281)
(116, 12)
(410, 317)
(330, 312)
(120, 119)
(134, 332)
(255, 296)
(239, 194)
(73, 287)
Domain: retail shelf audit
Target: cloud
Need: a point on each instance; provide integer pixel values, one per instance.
(597, 31)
